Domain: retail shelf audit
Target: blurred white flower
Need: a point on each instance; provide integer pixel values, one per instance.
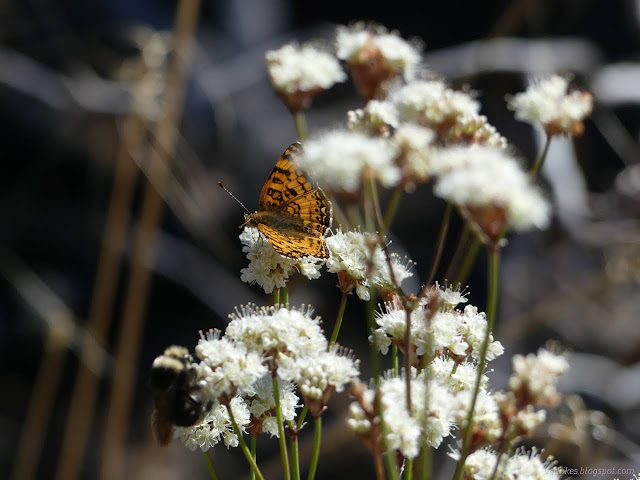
(215, 426)
(528, 465)
(490, 187)
(535, 376)
(414, 147)
(487, 421)
(479, 465)
(376, 118)
(432, 104)
(338, 160)
(267, 267)
(298, 73)
(471, 128)
(549, 103)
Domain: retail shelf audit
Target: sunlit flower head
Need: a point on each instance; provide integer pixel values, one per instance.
(377, 118)
(375, 57)
(267, 267)
(524, 465)
(261, 404)
(339, 160)
(548, 102)
(479, 465)
(473, 129)
(299, 73)
(535, 377)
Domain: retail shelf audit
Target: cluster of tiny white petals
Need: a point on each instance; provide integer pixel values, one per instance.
(529, 465)
(338, 160)
(289, 331)
(547, 101)
(474, 328)
(536, 375)
(479, 465)
(262, 404)
(227, 367)
(486, 413)
(267, 267)
(215, 426)
(374, 118)
(303, 69)
(331, 369)
(462, 377)
(431, 103)
(432, 417)
(351, 253)
(481, 176)
(395, 52)
(473, 128)
(448, 297)
(414, 145)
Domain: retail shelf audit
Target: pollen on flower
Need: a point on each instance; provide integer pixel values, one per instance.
(549, 102)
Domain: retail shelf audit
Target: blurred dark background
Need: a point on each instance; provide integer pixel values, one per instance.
(74, 79)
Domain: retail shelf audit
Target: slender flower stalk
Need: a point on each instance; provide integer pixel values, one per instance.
(408, 468)
(463, 240)
(336, 327)
(283, 442)
(317, 437)
(535, 169)
(302, 416)
(293, 447)
(492, 302)
(212, 472)
(254, 454)
(444, 228)
(243, 444)
(469, 261)
(301, 125)
(285, 297)
(276, 296)
(392, 208)
(394, 359)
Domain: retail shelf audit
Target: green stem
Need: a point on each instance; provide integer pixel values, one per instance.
(394, 358)
(455, 260)
(425, 450)
(295, 459)
(283, 441)
(302, 416)
(533, 173)
(444, 228)
(212, 472)
(469, 262)
(336, 327)
(254, 454)
(243, 444)
(301, 125)
(276, 297)
(317, 437)
(285, 297)
(492, 303)
(408, 468)
(392, 208)
(506, 447)
(425, 462)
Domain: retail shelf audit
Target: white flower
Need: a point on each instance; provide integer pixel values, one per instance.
(548, 102)
(414, 146)
(227, 367)
(356, 45)
(441, 369)
(277, 331)
(479, 465)
(432, 103)
(529, 466)
(486, 416)
(267, 267)
(475, 129)
(376, 118)
(293, 68)
(215, 426)
(480, 177)
(339, 159)
(450, 298)
(535, 376)
(474, 328)
(262, 404)
(351, 254)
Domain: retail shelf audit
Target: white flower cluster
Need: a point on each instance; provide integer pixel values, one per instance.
(480, 465)
(414, 146)
(549, 103)
(303, 69)
(431, 419)
(481, 177)
(535, 376)
(338, 160)
(238, 369)
(376, 118)
(362, 266)
(461, 333)
(357, 45)
(267, 267)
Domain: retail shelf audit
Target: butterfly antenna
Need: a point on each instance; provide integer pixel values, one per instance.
(234, 197)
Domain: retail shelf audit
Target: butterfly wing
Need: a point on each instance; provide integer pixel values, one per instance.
(295, 244)
(285, 182)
